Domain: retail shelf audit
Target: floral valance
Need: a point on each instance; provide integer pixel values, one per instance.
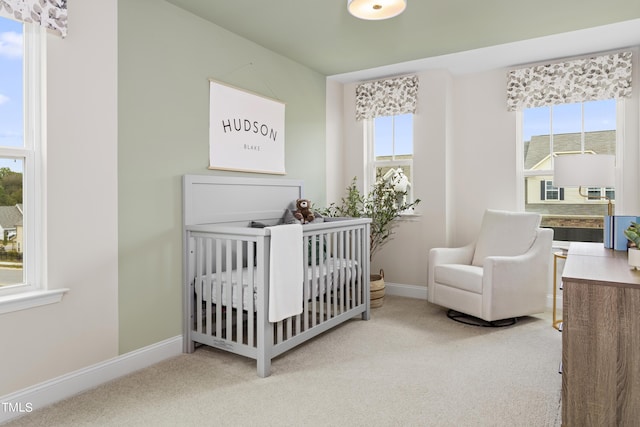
(587, 79)
(387, 97)
(51, 14)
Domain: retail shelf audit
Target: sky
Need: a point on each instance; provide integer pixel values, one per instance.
(11, 106)
(567, 118)
(384, 129)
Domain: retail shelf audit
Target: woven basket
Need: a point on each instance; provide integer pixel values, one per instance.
(377, 289)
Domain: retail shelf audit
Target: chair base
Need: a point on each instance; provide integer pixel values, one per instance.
(467, 319)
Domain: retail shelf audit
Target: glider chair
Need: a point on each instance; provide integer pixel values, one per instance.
(503, 275)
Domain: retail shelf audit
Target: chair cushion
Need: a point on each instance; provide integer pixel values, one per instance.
(461, 276)
(505, 234)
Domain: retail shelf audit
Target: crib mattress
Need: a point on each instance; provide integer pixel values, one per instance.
(318, 279)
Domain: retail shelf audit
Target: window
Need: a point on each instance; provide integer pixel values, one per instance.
(596, 193)
(550, 192)
(391, 146)
(552, 131)
(20, 100)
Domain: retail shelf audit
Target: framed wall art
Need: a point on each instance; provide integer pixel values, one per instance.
(246, 131)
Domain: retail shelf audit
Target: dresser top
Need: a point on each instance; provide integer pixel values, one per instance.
(593, 263)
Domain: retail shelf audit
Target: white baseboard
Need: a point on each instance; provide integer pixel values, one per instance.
(52, 391)
(409, 291)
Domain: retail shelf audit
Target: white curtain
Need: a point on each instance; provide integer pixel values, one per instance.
(51, 14)
(387, 97)
(587, 79)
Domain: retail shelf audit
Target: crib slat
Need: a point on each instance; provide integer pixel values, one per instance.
(199, 284)
(240, 293)
(251, 281)
(351, 269)
(218, 288)
(322, 280)
(340, 278)
(336, 278)
(208, 260)
(356, 255)
(279, 328)
(229, 285)
(309, 278)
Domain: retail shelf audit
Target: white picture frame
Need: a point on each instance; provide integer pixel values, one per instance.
(246, 131)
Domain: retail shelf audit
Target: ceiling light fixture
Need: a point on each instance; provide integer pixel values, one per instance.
(376, 9)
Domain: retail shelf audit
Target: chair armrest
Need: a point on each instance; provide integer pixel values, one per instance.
(518, 281)
(438, 256)
(461, 255)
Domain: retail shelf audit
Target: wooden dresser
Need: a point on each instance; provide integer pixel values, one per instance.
(600, 338)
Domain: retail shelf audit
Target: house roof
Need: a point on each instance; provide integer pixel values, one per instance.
(600, 142)
(10, 216)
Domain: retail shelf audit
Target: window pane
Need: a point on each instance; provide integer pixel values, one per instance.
(600, 126)
(567, 118)
(11, 83)
(403, 132)
(600, 115)
(536, 129)
(594, 193)
(383, 137)
(11, 221)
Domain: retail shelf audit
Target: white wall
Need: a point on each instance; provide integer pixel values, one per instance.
(484, 152)
(334, 142)
(45, 342)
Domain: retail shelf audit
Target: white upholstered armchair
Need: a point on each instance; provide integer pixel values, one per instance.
(504, 274)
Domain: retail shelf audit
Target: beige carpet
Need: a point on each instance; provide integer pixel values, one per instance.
(408, 366)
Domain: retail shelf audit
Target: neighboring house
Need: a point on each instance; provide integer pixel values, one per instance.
(11, 225)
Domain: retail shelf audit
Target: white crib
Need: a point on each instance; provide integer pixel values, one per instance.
(226, 268)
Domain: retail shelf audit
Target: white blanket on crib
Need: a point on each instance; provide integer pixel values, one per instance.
(285, 272)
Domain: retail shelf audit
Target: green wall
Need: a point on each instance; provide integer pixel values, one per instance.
(165, 58)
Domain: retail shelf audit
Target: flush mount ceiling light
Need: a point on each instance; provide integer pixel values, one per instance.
(376, 9)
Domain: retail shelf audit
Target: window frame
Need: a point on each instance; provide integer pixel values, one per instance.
(34, 290)
(522, 174)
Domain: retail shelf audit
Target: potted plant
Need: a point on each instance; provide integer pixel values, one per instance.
(384, 202)
(632, 233)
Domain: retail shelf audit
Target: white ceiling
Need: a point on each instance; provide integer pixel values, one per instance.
(462, 35)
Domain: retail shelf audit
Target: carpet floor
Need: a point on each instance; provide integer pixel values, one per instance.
(409, 365)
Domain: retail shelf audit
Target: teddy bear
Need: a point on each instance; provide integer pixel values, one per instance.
(303, 211)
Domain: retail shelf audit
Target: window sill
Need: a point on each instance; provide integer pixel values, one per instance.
(26, 300)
